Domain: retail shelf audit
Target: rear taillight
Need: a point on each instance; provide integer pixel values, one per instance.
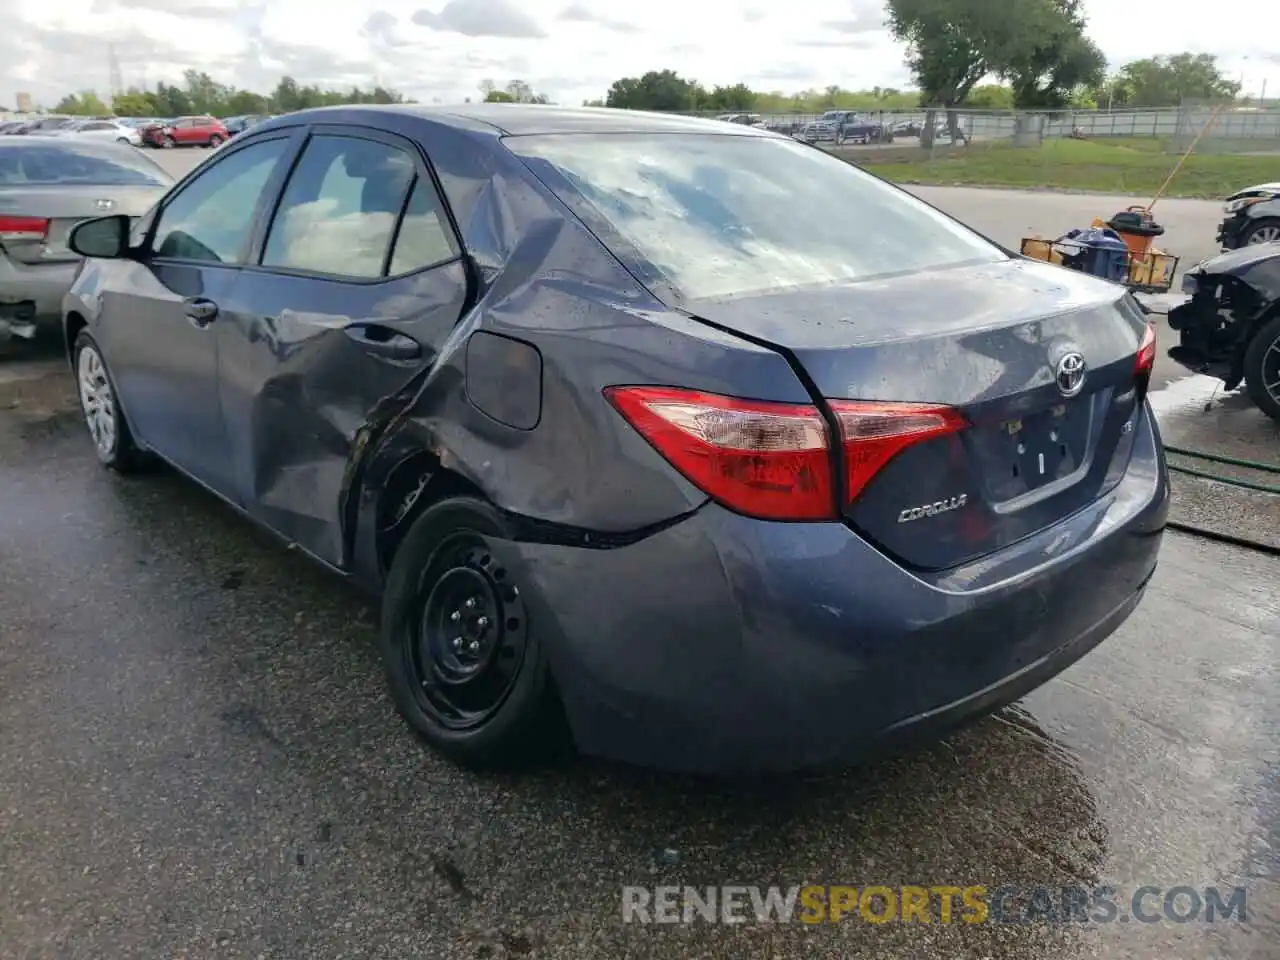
(874, 433)
(23, 228)
(768, 460)
(1146, 352)
(773, 460)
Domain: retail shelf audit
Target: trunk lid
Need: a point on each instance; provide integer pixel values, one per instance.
(64, 206)
(985, 340)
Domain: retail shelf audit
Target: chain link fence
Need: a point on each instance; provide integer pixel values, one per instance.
(1242, 131)
(1127, 151)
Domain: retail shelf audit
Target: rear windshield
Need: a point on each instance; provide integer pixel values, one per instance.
(712, 216)
(73, 163)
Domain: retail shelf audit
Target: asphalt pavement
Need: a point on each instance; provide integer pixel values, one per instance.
(197, 758)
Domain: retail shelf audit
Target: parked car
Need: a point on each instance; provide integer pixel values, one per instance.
(1252, 216)
(846, 126)
(907, 127)
(47, 185)
(699, 496)
(186, 132)
(42, 125)
(102, 130)
(10, 126)
(238, 125)
(1230, 326)
(746, 119)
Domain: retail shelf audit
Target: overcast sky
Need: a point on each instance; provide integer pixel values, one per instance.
(440, 50)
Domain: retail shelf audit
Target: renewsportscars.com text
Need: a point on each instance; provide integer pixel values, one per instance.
(816, 904)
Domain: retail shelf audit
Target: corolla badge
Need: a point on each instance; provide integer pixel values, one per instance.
(1068, 373)
(104, 204)
(945, 505)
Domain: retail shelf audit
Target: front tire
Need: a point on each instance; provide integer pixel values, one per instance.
(466, 669)
(167, 143)
(214, 142)
(112, 442)
(1264, 231)
(1262, 369)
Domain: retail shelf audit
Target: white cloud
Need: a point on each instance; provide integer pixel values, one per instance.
(569, 49)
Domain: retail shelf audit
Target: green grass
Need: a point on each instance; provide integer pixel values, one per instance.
(1131, 167)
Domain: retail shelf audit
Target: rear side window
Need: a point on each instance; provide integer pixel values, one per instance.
(211, 219)
(339, 211)
(424, 239)
(714, 215)
(78, 163)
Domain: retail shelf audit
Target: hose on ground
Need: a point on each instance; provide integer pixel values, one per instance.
(1270, 549)
(1258, 546)
(1225, 461)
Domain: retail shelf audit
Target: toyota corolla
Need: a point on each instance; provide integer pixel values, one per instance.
(636, 429)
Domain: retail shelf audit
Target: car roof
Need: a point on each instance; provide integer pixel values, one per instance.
(62, 143)
(518, 119)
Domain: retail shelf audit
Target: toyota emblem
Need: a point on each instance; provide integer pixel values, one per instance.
(1069, 374)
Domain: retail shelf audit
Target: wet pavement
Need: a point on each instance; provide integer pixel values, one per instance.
(197, 759)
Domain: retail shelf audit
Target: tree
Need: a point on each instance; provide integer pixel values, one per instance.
(203, 93)
(516, 91)
(953, 44)
(133, 103)
(242, 102)
(1060, 61)
(990, 96)
(1170, 81)
(737, 97)
(83, 104)
(656, 90)
(200, 93)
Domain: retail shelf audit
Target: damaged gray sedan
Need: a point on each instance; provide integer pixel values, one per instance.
(634, 427)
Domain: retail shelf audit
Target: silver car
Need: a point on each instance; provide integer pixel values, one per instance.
(47, 186)
(102, 131)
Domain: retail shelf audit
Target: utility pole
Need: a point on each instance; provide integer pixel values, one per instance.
(117, 80)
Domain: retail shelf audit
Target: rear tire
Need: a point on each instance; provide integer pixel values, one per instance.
(1264, 231)
(112, 442)
(466, 669)
(1262, 369)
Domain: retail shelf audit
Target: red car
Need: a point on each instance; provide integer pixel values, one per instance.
(186, 132)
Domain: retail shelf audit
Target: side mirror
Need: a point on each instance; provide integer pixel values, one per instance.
(104, 237)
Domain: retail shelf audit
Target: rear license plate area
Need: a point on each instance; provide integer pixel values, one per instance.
(1025, 454)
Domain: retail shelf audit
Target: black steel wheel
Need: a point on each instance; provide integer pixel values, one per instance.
(464, 664)
(469, 642)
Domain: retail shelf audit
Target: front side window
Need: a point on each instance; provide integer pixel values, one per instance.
(714, 215)
(339, 210)
(212, 218)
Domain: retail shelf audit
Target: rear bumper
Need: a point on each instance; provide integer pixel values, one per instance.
(31, 295)
(726, 645)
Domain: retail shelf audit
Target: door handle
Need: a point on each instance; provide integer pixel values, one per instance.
(383, 341)
(200, 311)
